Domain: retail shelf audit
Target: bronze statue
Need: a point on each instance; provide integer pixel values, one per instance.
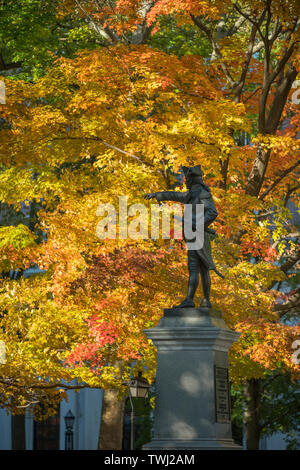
(198, 260)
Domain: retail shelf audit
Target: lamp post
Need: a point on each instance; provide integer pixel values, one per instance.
(138, 388)
(69, 420)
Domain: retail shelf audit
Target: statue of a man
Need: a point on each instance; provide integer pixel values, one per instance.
(199, 261)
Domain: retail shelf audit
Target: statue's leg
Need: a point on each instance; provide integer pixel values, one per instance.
(193, 284)
(206, 284)
(193, 266)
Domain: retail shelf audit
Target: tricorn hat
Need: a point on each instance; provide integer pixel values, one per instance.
(192, 171)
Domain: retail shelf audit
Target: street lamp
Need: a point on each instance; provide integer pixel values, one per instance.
(69, 420)
(138, 388)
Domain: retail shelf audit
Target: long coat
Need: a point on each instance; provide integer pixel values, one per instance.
(197, 195)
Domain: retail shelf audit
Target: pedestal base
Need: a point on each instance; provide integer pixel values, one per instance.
(196, 444)
(192, 407)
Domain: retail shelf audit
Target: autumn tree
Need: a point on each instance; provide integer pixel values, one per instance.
(254, 54)
(124, 117)
(32, 34)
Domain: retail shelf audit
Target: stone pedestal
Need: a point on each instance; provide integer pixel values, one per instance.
(192, 409)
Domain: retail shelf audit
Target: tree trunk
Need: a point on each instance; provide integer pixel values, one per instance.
(279, 101)
(18, 432)
(252, 394)
(257, 175)
(111, 427)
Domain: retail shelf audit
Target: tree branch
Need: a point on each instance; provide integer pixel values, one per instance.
(215, 47)
(252, 94)
(251, 20)
(289, 193)
(290, 261)
(239, 22)
(131, 155)
(279, 179)
(290, 306)
(239, 87)
(97, 139)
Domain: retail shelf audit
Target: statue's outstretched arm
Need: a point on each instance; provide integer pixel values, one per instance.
(167, 196)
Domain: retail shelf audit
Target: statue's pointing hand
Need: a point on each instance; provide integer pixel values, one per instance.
(150, 196)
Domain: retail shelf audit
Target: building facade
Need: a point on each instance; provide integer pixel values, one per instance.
(85, 405)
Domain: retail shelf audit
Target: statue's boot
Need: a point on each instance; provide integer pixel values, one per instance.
(205, 303)
(188, 302)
